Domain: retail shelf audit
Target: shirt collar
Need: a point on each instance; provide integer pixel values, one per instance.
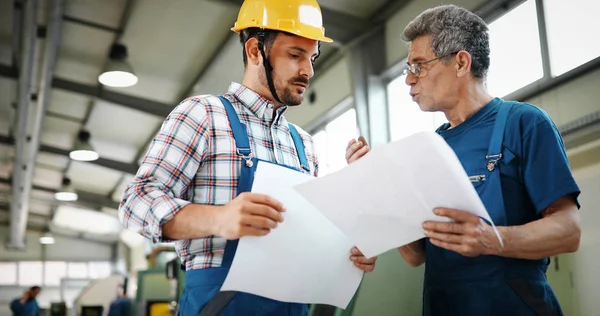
(257, 104)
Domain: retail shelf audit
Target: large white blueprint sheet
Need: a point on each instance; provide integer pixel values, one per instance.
(381, 200)
(306, 259)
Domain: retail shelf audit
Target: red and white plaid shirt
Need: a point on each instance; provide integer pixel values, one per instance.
(193, 159)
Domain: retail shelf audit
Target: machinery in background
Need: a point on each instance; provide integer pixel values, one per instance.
(160, 286)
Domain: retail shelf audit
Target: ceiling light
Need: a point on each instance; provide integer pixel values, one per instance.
(47, 239)
(66, 192)
(83, 150)
(118, 72)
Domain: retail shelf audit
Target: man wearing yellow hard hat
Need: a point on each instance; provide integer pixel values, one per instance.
(193, 185)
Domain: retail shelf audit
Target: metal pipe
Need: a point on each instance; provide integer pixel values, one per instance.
(39, 111)
(18, 215)
(16, 31)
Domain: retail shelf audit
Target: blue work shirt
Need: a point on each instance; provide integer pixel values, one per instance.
(533, 173)
(29, 308)
(120, 307)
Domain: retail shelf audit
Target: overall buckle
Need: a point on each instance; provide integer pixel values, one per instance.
(492, 161)
(248, 157)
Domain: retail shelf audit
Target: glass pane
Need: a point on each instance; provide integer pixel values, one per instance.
(515, 51)
(320, 139)
(572, 28)
(54, 271)
(405, 116)
(30, 273)
(100, 269)
(339, 133)
(8, 273)
(77, 270)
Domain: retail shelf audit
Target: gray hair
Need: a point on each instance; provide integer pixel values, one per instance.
(453, 29)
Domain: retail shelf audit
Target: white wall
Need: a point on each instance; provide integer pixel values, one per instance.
(585, 262)
(572, 100)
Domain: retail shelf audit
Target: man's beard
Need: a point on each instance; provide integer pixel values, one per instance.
(288, 96)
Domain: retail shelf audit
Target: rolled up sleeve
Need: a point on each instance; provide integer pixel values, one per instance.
(161, 186)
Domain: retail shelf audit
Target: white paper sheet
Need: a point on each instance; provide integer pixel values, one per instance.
(381, 200)
(306, 259)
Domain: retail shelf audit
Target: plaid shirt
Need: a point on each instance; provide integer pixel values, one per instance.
(192, 159)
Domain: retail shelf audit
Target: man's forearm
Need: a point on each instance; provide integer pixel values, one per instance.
(554, 234)
(413, 253)
(192, 221)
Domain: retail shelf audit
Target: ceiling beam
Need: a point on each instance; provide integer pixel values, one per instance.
(42, 229)
(130, 168)
(135, 103)
(86, 199)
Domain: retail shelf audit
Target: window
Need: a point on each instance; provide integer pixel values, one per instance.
(405, 116)
(572, 27)
(515, 51)
(330, 142)
(100, 269)
(77, 270)
(30, 273)
(8, 273)
(54, 271)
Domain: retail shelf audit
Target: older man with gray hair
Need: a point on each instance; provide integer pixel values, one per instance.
(515, 158)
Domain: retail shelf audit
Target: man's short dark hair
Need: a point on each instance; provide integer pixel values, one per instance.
(247, 34)
(35, 288)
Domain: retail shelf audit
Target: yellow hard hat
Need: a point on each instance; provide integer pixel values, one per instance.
(298, 17)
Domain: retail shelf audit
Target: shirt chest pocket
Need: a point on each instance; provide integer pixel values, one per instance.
(477, 168)
(510, 165)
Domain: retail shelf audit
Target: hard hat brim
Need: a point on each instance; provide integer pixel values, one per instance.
(314, 37)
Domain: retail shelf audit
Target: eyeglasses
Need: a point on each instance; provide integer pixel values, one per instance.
(415, 68)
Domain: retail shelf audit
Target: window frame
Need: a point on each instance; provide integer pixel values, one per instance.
(43, 267)
(329, 116)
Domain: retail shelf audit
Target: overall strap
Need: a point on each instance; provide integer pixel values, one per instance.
(495, 149)
(244, 150)
(242, 143)
(299, 147)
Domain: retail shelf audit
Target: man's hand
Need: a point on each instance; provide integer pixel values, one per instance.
(367, 265)
(356, 149)
(25, 297)
(249, 214)
(469, 235)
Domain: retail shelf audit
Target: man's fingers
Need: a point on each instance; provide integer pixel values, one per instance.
(457, 215)
(363, 140)
(350, 143)
(266, 200)
(359, 153)
(365, 267)
(352, 148)
(363, 259)
(458, 248)
(450, 238)
(265, 212)
(259, 221)
(253, 231)
(444, 227)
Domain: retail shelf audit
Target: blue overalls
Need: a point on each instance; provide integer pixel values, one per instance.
(486, 285)
(201, 291)
(29, 308)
